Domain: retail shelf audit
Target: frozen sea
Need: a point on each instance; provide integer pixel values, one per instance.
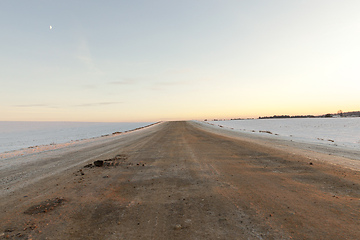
(19, 135)
(330, 131)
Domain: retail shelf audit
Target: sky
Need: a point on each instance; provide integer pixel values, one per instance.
(121, 61)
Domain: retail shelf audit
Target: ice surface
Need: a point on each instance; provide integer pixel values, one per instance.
(330, 131)
(18, 135)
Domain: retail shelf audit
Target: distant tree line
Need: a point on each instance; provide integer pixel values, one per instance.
(340, 113)
(288, 116)
(350, 114)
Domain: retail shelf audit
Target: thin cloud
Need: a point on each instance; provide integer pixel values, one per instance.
(34, 105)
(83, 54)
(126, 81)
(79, 105)
(162, 85)
(86, 87)
(97, 104)
(30, 105)
(176, 83)
(180, 71)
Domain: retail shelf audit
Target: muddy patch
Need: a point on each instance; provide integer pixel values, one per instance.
(45, 206)
(112, 162)
(29, 229)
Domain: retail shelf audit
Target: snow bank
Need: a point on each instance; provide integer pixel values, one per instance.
(44, 135)
(330, 131)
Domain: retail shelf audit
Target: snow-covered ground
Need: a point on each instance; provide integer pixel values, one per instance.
(330, 131)
(19, 135)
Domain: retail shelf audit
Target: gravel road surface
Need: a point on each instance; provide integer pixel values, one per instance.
(178, 180)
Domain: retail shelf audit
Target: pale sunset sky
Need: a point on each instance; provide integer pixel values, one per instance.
(141, 60)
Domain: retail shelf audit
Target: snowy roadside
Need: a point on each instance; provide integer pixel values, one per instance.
(324, 131)
(63, 143)
(333, 154)
(22, 170)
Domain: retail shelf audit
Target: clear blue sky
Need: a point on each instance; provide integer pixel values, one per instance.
(163, 60)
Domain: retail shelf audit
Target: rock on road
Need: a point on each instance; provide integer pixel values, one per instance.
(176, 180)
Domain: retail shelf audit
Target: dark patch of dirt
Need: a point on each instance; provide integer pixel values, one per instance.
(45, 206)
(116, 161)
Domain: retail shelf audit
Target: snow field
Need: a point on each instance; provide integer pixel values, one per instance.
(330, 131)
(34, 135)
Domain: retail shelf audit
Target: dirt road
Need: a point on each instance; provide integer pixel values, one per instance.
(178, 181)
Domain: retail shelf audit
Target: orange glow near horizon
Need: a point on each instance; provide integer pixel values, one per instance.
(158, 115)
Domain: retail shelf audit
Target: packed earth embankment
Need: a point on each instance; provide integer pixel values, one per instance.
(178, 180)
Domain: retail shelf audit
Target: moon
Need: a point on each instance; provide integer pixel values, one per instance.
(50, 27)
